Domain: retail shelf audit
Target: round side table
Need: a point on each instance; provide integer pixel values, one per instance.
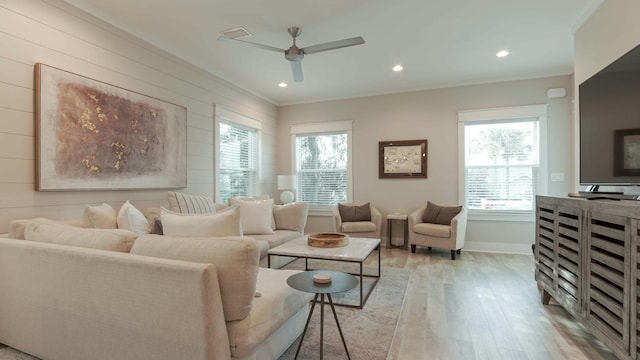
(339, 282)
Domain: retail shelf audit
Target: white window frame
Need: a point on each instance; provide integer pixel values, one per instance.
(223, 115)
(497, 114)
(319, 129)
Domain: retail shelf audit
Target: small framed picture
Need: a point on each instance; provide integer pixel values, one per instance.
(627, 152)
(402, 159)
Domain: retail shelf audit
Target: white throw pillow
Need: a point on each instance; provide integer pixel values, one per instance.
(102, 216)
(130, 218)
(256, 217)
(222, 223)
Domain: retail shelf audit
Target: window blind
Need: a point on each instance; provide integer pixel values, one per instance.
(321, 166)
(238, 170)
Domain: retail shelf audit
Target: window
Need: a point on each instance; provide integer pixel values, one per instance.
(502, 154)
(238, 161)
(322, 162)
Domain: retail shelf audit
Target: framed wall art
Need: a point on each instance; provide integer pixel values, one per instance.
(626, 152)
(91, 135)
(402, 159)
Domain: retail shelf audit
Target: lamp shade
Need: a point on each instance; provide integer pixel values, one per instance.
(286, 182)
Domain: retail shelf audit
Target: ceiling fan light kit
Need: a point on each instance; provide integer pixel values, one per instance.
(294, 54)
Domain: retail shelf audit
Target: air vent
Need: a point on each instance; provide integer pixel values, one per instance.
(236, 33)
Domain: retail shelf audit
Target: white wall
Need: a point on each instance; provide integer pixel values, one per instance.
(432, 115)
(54, 33)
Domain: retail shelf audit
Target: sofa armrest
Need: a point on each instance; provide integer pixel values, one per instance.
(415, 217)
(337, 220)
(459, 227)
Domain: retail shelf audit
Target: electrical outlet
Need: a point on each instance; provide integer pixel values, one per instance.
(557, 177)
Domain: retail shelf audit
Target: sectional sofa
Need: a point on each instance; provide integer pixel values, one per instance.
(70, 292)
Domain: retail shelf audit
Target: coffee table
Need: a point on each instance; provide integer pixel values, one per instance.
(357, 251)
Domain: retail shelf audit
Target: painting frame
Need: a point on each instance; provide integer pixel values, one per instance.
(402, 159)
(626, 152)
(91, 135)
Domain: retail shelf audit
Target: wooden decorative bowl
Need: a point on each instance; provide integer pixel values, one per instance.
(328, 240)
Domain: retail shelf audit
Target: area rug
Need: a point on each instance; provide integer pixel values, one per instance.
(369, 331)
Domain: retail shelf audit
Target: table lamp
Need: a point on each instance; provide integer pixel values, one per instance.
(287, 183)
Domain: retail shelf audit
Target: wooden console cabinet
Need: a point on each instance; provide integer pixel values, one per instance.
(586, 258)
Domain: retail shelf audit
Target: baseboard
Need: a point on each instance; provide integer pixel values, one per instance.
(505, 248)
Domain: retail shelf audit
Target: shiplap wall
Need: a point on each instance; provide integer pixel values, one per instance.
(56, 34)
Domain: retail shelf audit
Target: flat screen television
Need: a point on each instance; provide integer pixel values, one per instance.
(610, 124)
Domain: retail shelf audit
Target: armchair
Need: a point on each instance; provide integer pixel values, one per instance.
(358, 228)
(438, 233)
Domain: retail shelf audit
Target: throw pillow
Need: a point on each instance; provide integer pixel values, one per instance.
(436, 214)
(100, 217)
(292, 216)
(256, 217)
(352, 213)
(447, 214)
(431, 213)
(190, 204)
(130, 218)
(104, 239)
(222, 223)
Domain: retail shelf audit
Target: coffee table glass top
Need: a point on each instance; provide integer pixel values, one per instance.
(357, 250)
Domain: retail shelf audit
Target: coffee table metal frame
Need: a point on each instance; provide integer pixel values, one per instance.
(299, 249)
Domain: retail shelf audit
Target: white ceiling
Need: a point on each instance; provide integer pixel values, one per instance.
(440, 43)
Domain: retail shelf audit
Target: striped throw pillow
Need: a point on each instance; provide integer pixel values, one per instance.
(190, 204)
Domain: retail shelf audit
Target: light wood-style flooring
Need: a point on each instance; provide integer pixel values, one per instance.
(482, 306)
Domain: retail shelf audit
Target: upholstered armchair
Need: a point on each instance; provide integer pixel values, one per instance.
(358, 220)
(445, 227)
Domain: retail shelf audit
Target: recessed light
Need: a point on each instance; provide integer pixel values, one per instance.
(502, 53)
(397, 68)
(283, 84)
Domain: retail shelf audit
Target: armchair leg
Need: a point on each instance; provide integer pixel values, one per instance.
(458, 251)
(413, 248)
(453, 254)
(429, 248)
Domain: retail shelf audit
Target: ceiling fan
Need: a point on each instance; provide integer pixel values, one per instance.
(295, 54)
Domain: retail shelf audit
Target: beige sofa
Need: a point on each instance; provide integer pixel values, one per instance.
(169, 298)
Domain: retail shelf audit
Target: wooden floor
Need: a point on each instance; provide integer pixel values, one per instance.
(482, 306)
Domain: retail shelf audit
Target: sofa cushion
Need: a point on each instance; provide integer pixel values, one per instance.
(222, 223)
(190, 204)
(437, 214)
(292, 216)
(130, 218)
(350, 213)
(236, 260)
(278, 237)
(358, 226)
(278, 302)
(100, 217)
(436, 230)
(256, 216)
(106, 239)
(17, 227)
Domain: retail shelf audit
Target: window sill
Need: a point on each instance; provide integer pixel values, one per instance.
(321, 210)
(501, 215)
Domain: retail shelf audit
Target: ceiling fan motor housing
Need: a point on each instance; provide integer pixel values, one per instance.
(294, 54)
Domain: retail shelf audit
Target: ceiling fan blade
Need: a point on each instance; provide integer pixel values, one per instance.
(358, 40)
(260, 46)
(296, 70)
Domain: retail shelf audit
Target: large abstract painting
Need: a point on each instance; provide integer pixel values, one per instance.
(94, 136)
